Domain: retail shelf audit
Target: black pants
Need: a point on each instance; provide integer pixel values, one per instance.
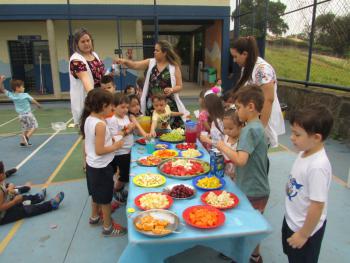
(123, 163)
(309, 252)
(20, 211)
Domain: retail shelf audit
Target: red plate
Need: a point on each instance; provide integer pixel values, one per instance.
(218, 192)
(141, 141)
(220, 219)
(138, 204)
(185, 146)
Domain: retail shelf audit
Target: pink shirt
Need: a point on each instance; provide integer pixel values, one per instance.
(202, 118)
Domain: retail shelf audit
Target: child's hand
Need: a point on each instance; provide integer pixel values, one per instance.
(147, 136)
(130, 127)
(168, 91)
(2, 78)
(205, 138)
(297, 240)
(118, 144)
(18, 199)
(153, 134)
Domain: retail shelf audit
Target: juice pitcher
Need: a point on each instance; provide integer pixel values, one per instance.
(191, 131)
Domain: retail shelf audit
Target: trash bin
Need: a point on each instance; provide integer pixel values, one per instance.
(211, 75)
(284, 108)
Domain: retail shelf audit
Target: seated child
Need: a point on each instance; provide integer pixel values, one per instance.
(22, 102)
(107, 83)
(161, 114)
(13, 206)
(135, 113)
(130, 90)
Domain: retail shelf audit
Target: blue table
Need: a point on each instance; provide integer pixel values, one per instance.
(243, 229)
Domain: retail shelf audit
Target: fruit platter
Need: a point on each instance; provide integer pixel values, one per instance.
(162, 145)
(175, 136)
(180, 191)
(154, 200)
(149, 180)
(165, 154)
(201, 216)
(141, 141)
(149, 161)
(220, 199)
(192, 153)
(208, 183)
(186, 146)
(183, 168)
(156, 222)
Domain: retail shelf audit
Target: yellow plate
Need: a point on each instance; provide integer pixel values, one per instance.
(141, 180)
(158, 152)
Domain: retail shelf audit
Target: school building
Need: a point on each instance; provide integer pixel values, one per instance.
(34, 37)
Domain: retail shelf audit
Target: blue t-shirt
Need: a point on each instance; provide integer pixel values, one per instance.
(21, 101)
(252, 178)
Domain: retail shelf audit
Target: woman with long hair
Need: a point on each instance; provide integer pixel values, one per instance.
(256, 70)
(163, 77)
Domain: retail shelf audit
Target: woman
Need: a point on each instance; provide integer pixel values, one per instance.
(85, 71)
(163, 76)
(257, 71)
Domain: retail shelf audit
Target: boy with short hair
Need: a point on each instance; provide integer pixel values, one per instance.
(22, 102)
(307, 189)
(161, 114)
(250, 157)
(107, 83)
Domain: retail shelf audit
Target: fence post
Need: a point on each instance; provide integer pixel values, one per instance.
(263, 42)
(311, 42)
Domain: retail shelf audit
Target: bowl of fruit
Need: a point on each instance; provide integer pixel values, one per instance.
(180, 191)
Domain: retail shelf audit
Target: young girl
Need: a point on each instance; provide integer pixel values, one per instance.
(215, 109)
(203, 121)
(232, 129)
(100, 148)
(121, 125)
(135, 113)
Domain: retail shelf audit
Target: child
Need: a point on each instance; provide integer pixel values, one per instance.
(120, 125)
(130, 90)
(140, 81)
(22, 102)
(135, 113)
(232, 129)
(203, 122)
(161, 114)
(307, 189)
(107, 83)
(228, 99)
(100, 148)
(250, 158)
(215, 108)
(12, 204)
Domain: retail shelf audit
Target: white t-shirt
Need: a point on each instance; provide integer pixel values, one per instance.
(116, 125)
(309, 180)
(264, 73)
(92, 159)
(215, 133)
(229, 166)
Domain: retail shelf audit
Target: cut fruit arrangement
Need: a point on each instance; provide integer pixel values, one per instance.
(184, 167)
(149, 161)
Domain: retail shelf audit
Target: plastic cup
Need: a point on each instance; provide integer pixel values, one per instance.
(150, 146)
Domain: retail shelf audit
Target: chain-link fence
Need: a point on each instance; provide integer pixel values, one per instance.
(306, 41)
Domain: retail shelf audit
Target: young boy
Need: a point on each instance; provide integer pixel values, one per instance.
(107, 83)
(250, 158)
(161, 114)
(130, 90)
(13, 206)
(22, 102)
(307, 189)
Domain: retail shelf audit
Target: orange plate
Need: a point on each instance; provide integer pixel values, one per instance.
(187, 211)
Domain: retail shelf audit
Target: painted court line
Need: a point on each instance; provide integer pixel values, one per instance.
(10, 235)
(3, 124)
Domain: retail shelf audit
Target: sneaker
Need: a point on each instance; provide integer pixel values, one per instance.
(10, 172)
(114, 230)
(24, 141)
(55, 202)
(95, 221)
(121, 196)
(28, 140)
(42, 195)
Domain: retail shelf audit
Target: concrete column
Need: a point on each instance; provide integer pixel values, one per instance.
(192, 58)
(53, 58)
(139, 42)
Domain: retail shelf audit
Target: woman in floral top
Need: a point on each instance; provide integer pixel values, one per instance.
(85, 71)
(163, 77)
(257, 71)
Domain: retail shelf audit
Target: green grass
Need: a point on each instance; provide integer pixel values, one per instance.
(291, 63)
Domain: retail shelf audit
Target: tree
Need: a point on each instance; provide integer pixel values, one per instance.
(333, 31)
(252, 17)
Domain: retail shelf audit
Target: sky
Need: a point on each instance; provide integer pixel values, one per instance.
(298, 20)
